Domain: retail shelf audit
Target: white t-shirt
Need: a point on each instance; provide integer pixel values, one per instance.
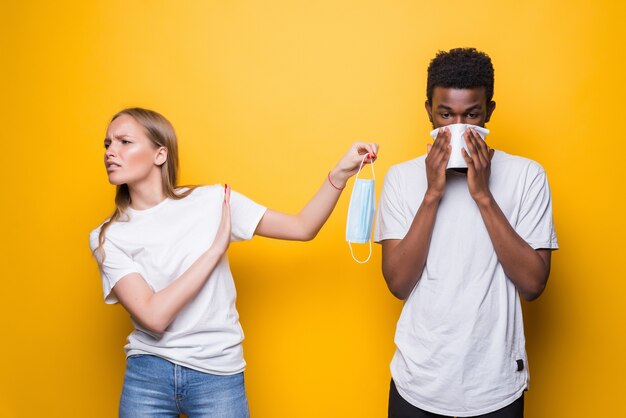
(160, 243)
(460, 334)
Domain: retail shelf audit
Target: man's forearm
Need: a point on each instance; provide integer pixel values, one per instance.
(521, 263)
(404, 260)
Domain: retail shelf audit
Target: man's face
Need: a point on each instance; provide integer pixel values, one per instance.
(450, 106)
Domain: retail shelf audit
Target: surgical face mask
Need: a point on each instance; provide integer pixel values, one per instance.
(361, 212)
(457, 142)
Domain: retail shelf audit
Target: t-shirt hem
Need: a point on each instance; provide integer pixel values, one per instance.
(135, 352)
(389, 236)
(255, 223)
(456, 413)
(549, 245)
(109, 297)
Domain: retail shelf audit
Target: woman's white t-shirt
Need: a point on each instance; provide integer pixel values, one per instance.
(161, 243)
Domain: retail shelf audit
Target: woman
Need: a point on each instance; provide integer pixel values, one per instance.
(162, 255)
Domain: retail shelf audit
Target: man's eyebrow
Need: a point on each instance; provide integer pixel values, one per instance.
(475, 107)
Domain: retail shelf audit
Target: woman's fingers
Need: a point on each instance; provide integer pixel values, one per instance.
(367, 150)
(226, 194)
(225, 222)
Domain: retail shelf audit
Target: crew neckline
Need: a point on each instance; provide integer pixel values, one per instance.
(150, 209)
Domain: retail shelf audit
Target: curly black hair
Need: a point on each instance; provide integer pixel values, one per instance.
(460, 68)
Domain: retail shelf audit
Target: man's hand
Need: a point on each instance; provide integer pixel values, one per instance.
(478, 166)
(436, 162)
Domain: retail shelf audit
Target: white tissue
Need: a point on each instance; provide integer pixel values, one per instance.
(457, 142)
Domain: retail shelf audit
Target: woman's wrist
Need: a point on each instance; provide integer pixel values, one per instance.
(215, 252)
(338, 178)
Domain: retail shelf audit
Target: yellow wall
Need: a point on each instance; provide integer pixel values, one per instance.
(267, 95)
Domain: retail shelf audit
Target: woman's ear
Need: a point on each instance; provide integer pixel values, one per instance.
(161, 156)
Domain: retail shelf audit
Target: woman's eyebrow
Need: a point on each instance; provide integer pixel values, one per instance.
(119, 136)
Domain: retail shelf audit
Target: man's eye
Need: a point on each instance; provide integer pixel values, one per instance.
(445, 115)
(125, 142)
(106, 145)
(472, 115)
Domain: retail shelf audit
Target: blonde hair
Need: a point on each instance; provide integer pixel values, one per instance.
(161, 132)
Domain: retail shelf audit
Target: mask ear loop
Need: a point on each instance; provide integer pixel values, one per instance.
(370, 241)
(359, 261)
(361, 166)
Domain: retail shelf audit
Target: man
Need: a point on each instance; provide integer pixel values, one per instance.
(459, 247)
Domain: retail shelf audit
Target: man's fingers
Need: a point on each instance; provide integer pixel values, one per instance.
(440, 155)
(476, 149)
(482, 147)
(443, 136)
(467, 158)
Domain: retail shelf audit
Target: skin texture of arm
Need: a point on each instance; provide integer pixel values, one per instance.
(527, 268)
(305, 225)
(156, 310)
(404, 260)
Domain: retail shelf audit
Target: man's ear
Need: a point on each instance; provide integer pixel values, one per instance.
(161, 156)
(429, 110)
(491, 106)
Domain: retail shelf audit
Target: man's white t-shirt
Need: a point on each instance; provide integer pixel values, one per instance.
(460, 334)
(160, 243)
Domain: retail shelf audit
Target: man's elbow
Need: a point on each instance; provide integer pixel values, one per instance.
(398, 293)
(534, 291)
(394, 286)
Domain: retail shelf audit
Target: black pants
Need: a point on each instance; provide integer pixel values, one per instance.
(400, 408)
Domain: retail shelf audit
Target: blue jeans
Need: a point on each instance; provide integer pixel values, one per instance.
(155, 387)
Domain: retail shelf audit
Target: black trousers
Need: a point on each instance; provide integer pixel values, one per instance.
(400, 408)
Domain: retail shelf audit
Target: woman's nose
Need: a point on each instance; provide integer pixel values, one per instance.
(110, 151)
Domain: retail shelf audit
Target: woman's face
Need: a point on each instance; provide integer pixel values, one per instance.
(130, 157)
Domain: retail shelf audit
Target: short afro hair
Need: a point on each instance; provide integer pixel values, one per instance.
(460, 68)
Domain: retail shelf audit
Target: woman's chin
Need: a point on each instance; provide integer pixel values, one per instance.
(116, 181)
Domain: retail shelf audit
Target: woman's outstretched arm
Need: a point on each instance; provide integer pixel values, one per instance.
(305, 225)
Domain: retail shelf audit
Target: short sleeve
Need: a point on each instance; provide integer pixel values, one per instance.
(535, 223)
(392, 222)
(117, 264)
(245, 216)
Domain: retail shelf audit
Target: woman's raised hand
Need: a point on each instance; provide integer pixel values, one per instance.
(350, 163)
(222, 237)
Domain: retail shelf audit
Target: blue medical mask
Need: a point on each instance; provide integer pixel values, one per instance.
(361, 212)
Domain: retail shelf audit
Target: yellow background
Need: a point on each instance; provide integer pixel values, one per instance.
(267, 95)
